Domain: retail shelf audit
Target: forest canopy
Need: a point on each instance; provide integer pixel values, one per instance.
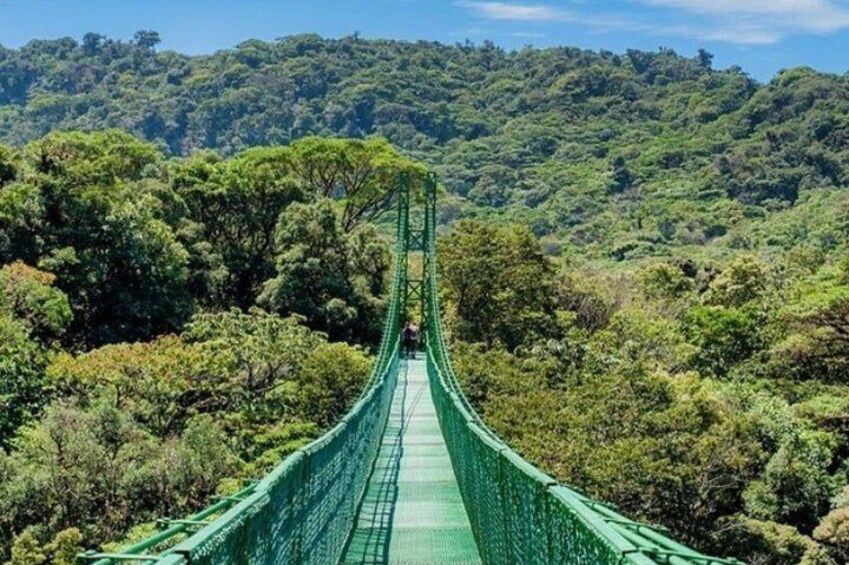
(169, 327)
(626, 155)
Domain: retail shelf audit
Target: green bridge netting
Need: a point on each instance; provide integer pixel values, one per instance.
(305, 510)
(519, 514)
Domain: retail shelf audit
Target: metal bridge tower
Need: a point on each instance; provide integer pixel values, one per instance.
(417, 247)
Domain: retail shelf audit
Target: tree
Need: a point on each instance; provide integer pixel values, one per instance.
(818, 348)
(705, 59)
(332, 376)
(160, 383)
(147, 39)
(743, 281)
(237, 204)
(65, 547)
(105, 237)
(263, 355)
(28, 295)
(313, 270)
(94, 469)
(621, 177)
(317, 270)
(724, 337)
(92, 43)
(833, 532)
(27, 551)
(665, 281)
(795, 487)
(21, 223)
(22, 363)
(8, 165)
(498, 282)
(760, 541)
(362, 173)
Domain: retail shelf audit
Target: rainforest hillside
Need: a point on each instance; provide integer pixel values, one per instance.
(170, 327)
(648, 255)
(622, 155)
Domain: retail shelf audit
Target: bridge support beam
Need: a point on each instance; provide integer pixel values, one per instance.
(416, 239)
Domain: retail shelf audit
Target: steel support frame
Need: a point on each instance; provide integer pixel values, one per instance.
(416, 240)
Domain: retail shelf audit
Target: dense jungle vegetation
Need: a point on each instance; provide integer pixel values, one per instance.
(168, 327)
(649, 255)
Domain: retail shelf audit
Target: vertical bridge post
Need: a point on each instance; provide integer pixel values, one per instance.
(416, 241)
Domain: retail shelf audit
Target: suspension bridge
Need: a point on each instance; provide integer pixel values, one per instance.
(410, 475)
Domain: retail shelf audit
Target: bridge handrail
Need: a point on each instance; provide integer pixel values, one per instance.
(304, 509)
(518, 513)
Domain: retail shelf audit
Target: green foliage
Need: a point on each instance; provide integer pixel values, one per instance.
(136, 243)
(666, 389)
(237, 203)
(97, 469)
(26, 551)
(741, 282)
(63, 550)
(363, 173)
(819, 348)
(131, 377)
(666, 281)
(795, 486)
(22, 364)
(332, 375)
(152, 402)
(624, 155)
(498, 282)
(28, 294)
(145, 430)
(318, 270)
(65, 547)
(102, 232)
(723, 336)
(833, 532)
(768, 543)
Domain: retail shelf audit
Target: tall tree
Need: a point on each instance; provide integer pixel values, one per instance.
(362, 173)
(498, 282)
(103, 233)
(237, 204)
(317, 268)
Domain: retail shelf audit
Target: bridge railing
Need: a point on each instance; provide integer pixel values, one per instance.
(519, 514)
(303, 510)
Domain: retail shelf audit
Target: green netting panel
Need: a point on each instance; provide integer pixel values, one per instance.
(517, 513)
(304, 510)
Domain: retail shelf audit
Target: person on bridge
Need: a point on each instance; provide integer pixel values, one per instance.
(409, 339)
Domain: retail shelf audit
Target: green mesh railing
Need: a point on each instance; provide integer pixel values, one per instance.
(519, 514)
(304, 510)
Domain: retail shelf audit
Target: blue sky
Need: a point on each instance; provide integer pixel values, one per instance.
(762, 36)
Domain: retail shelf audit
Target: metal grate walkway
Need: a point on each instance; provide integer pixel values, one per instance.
(412, 511)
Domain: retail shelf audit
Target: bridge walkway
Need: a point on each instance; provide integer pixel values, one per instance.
(412, 511)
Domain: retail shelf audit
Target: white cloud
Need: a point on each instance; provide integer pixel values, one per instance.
(519, 12)
(528, 34)
(753, 22)
(760, 21)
